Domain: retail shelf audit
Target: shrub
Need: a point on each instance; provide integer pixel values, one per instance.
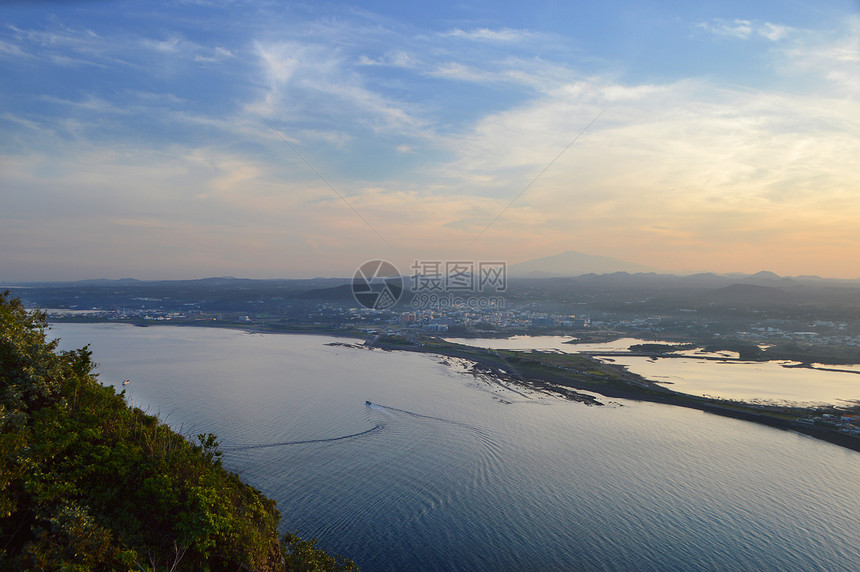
(89, 483)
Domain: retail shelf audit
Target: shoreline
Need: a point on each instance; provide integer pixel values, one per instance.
(605, 379)
(344, 333)
(627, 386)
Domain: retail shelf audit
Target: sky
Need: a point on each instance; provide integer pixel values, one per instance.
(187, 139)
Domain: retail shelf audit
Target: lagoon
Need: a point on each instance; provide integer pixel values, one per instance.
(714, 374)
(767, 382)
(564, 344)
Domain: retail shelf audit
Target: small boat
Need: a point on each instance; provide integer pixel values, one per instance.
(368, 403)
(126, 382)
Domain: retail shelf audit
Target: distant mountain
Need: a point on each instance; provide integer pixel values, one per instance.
(572, 263)
(340, 293)
(750, 294)
(106, 281)
(766, 278)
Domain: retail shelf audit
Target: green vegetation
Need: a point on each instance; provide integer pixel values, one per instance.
(746, 351)
(89, 483)
(394, 341)
(658, 348)
(564, 373)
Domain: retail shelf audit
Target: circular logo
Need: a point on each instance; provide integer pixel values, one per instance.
(377, 284)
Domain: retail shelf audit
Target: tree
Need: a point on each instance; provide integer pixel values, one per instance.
(89, 483)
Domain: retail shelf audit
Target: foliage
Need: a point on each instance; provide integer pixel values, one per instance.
(395, 340)
(661, 348)
(746, 350)
(89, 483)
(302, 554)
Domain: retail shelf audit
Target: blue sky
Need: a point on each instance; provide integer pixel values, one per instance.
(139, 138)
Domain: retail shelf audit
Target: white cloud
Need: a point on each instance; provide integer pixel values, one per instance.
(462, 72)
(534, 74)
(60, 45)
(9, 50)
(505, 35)
(705, 164)
(89, 103)
(833, 56)
(689, 163)
(60, 36)
(69, 46)
(396, 59)
(316, 81)
(168, 46)
(746, 29)
(773, 32)
(685, 167)
(30, 125)
(215, 55)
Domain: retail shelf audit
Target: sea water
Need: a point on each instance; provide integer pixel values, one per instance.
(448, 471)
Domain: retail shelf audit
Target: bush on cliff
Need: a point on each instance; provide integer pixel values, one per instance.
(89, 483)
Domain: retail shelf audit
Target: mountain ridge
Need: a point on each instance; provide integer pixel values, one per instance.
(573, 263)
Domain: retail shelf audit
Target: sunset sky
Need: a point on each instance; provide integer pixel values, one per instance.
(139, 138)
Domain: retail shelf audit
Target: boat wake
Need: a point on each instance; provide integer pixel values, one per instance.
(456, 447)
(378, 427)
(372, 430)
(380, 408)
(387, 410)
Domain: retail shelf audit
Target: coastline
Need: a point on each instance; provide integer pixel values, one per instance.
(535, 370)
(626, 385)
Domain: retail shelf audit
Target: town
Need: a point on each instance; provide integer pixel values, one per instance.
(809, 322)
(739, 318)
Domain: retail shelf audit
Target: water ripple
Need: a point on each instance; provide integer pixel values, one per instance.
(379, 427)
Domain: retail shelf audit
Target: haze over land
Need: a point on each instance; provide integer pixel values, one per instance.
(173, 140)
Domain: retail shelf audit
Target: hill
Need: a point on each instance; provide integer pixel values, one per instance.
(89, 483)
(572, 263)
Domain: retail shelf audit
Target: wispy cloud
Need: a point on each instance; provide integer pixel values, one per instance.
(150, 143)
(397, 59)
(832, 56)
(60, 45)
(13, 51)
(505, 35)
(70, 46)
(746, 29)
(308, 80)
(88, 103)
